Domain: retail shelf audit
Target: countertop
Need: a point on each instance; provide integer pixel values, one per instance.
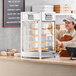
(60, 60)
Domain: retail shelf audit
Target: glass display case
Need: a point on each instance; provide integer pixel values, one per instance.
(37, 34)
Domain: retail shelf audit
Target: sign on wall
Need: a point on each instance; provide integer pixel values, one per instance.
(11, 12)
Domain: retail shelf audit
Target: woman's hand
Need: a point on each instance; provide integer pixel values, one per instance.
(59, 43)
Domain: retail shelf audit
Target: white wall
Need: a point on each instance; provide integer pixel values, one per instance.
(73, 2)
(10, 37)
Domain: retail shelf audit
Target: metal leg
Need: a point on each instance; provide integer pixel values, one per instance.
(71, 56)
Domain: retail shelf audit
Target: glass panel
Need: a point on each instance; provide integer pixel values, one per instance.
(48, 36)
(30, 36)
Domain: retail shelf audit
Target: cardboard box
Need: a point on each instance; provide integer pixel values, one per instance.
(67, 11)
(73, 11)
(62, 8)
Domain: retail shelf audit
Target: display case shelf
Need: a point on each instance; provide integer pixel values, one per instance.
(37, 41)
(36, 35)
(37, 28)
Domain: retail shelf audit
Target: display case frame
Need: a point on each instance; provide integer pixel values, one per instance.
(40, 54)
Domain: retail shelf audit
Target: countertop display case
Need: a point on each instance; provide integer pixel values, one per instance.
(38, 34)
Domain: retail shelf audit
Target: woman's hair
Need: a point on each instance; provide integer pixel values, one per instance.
(74, 26)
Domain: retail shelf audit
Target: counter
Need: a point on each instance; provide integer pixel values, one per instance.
(61, 60)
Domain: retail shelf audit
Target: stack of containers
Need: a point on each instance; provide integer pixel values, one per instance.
(42, 8)
(62, 8)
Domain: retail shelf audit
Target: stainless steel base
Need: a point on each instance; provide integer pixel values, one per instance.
(37, 55)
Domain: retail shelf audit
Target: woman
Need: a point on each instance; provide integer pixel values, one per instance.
(68, 35)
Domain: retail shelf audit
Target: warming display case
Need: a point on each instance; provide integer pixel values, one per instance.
(37, 34)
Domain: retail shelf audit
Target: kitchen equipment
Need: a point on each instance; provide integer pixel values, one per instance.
(36, 40)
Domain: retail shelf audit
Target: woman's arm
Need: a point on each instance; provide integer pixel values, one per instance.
(59, 34)
(71, 43)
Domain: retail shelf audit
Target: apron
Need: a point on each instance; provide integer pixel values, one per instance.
(63, 53)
